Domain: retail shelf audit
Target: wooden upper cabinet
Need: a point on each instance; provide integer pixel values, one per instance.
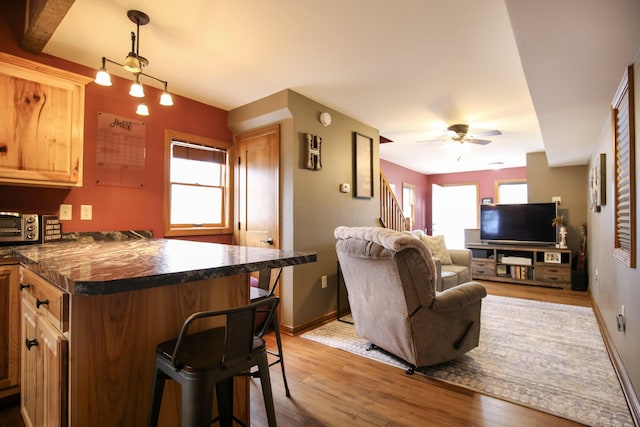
(41, 124)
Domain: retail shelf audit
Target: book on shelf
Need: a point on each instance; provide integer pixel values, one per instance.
(521, 272)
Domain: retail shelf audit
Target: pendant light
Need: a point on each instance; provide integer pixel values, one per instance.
(134, 63)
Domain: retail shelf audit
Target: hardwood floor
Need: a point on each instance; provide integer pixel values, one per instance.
(330, 387)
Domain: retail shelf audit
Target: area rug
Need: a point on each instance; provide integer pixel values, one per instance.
(550, 357)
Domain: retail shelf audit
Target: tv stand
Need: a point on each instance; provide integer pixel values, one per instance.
(527, 265)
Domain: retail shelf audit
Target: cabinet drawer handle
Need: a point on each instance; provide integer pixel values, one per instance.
(41, 302)
(22, 287)
(30, 343)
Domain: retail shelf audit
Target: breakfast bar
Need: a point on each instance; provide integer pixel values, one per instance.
(100, 309)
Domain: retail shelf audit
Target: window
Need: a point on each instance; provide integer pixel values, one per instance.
(511, 191)
(197, 185)
(454, 208)
(624, 238)
(409, 203)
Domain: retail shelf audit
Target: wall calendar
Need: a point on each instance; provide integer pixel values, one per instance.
(120, 151)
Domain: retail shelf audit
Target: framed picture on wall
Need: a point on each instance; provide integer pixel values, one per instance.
(363, 167)
(600, 178)
(593, 204)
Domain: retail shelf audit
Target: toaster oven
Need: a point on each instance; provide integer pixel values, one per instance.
(19, 228)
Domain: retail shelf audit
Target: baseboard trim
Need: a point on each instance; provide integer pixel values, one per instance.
(627, 387)
(304, 327)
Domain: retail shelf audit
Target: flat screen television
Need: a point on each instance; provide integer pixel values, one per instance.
(528, 223)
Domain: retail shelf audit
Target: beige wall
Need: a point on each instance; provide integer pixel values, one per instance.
(616, 284)
(311, 203)
(312, 207)
(570, 183)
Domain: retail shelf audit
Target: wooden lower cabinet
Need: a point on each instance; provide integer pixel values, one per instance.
(44, 374)
(30, 371)
(93, 361)
(9, 330)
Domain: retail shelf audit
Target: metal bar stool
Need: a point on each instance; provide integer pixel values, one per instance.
(208, 360)
(259, 290)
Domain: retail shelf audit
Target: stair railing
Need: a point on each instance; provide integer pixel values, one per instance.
(391, 215)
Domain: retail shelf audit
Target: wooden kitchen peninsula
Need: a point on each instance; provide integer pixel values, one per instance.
(100, 309)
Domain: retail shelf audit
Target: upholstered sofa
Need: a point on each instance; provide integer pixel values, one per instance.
(391, 284)
(453, 266)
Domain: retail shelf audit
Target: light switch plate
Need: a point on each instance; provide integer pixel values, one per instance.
(65, 213)
(86, 212)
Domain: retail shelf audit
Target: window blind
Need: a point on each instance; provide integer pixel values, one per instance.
(202, 153)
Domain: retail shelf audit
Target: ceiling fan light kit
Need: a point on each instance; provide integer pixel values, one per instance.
(460, 130)
(134, 63)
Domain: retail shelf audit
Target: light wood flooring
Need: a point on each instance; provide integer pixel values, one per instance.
(331, 387)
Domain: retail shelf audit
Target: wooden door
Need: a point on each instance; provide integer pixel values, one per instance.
(258, 178)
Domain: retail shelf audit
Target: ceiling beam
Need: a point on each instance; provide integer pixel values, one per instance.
(42, 19)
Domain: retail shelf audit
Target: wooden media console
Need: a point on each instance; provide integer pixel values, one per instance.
(528, 265)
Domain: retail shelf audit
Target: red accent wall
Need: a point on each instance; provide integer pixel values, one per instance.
(114, 208)
(485, 179)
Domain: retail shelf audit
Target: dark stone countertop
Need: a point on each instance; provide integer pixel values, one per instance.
(106, 267)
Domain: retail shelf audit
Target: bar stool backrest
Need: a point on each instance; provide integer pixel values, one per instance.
(238, 330)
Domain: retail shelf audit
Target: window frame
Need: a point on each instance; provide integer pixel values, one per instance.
(504, 182)
(624, 220)
(173, 230)
(411, 204)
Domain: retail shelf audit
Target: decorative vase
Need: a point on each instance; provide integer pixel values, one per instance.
(563, 237)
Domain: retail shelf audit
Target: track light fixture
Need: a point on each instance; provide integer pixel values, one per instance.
(134, 63)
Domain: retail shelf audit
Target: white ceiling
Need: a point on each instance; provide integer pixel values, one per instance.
(543, 72)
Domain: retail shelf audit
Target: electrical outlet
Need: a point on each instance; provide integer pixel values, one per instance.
(621, 322)
(86, 212)
(324, 282)
(65, 212)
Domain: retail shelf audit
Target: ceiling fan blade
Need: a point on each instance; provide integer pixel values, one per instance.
(477, 141)
(440, 138)
(422, 141)
(492, 132)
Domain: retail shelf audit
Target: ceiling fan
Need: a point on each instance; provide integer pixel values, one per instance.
(460, 133)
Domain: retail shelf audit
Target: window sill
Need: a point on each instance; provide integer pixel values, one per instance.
(197, 231)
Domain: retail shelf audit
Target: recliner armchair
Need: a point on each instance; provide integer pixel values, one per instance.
(390, 279)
